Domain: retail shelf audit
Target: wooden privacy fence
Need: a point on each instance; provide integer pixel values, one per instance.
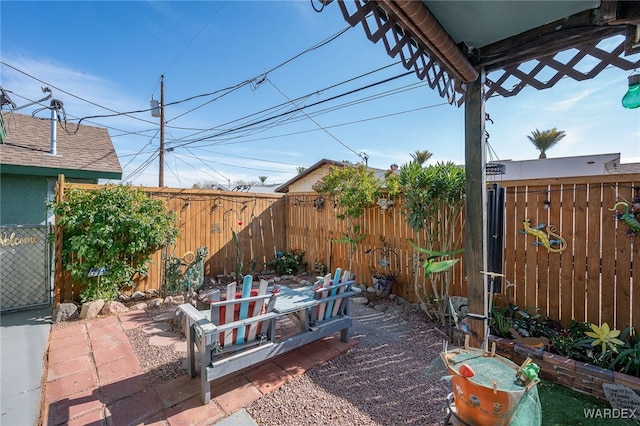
(592, 280)
(206, 219)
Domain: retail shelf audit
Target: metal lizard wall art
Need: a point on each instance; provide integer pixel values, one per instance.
(629, 218)
(557, 244)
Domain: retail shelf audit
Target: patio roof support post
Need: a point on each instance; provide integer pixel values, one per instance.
(475, 254)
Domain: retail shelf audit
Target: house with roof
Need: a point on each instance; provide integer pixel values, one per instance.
(303, 182)
(582, 165)
(31, 160)
(32, 155)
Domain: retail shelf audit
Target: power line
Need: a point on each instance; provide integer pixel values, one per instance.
(295, 110)
(314, 121)
(195, 37)
(241, 167)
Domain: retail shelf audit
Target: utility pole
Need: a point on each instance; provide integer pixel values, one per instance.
(161, 168)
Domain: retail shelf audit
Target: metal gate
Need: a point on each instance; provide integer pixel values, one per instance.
(25, 266)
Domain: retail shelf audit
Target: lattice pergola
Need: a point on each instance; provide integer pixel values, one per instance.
(588, 43)
(470, 51)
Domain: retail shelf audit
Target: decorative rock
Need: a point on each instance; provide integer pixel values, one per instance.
(622, 397)
(156, 328)
(139, 306)
(381, 308)
(113, 308)
(91, 309)
(277, 279)
(165, 316)
(151, 291)
(65, 312)
(400, 300)
(137, 295)
(178, 300)
(155, 303)
(359, 300)
(371, 290)
(287, 278)
(123, 297)
(168, 300)
(166, 338)
(392, 296)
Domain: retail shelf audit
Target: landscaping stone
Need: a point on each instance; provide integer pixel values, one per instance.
(371, 290)
(166, 338)
(137, 295)
(381, 308)
(178, 300)
(91, 309)
(155, 303)
(168, 300)
(65, 312)
(359, 300)
(138, 306)
(156, 328)
(113, 308)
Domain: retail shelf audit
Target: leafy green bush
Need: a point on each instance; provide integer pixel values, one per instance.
(288, 263)
(116, 227)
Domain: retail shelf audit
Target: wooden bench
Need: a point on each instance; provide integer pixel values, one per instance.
(240, 330)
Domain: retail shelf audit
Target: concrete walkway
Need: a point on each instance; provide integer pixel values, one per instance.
(24, 337)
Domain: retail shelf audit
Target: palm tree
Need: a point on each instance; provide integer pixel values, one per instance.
(546, 139)
(262, 179)
(300, 169)
(421, 157)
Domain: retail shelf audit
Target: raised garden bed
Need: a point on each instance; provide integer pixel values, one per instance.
(580, 376)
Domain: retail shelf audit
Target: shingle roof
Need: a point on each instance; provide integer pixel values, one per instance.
(89, 153)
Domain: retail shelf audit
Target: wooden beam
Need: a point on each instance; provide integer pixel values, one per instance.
(546, 40)
(475, 255)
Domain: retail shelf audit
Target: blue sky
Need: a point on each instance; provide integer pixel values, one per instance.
(100, 57)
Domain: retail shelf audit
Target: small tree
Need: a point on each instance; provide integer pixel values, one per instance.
(545, 140)
(262, 179)
(118, 228)
(434, 201)
(354, 188)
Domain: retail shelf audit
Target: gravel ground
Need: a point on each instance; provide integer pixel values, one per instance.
(391, 377)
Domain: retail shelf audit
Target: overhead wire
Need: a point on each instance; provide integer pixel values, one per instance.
(226, 142)
(244, 126)
(334, 137)
(241, 167)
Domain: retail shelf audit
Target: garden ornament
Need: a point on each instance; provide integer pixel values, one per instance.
(629, 218)
(557, 245)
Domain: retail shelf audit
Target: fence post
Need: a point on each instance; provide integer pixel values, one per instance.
(58, 281)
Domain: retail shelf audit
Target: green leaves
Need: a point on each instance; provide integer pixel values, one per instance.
(354, 188)
(117, 226)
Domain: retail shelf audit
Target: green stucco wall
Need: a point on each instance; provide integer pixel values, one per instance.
(22, 200)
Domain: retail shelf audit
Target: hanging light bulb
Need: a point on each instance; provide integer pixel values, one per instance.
(632, 98)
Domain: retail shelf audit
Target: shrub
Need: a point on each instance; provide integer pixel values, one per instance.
(288, 263)
(116, 227)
